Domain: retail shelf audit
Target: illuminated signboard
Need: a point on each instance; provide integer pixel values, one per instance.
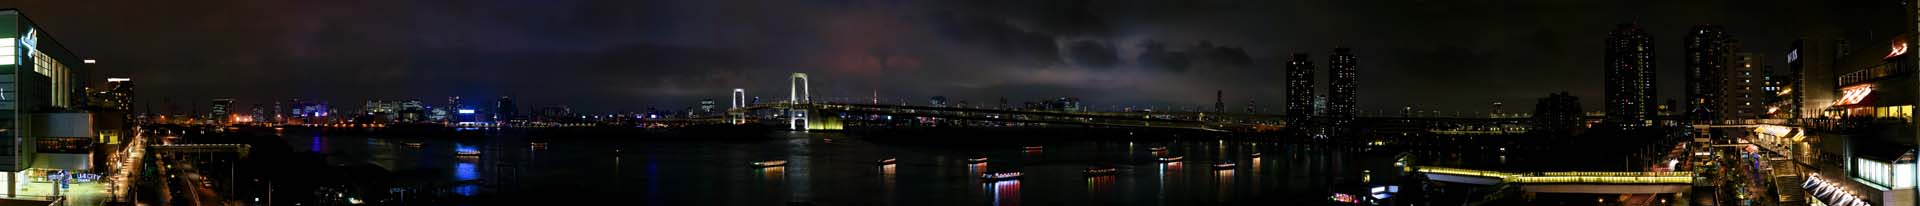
(1899, 47)
(1793, 55)
(1344, 198)
(30, 40)
(466, 111)
(1853, 95)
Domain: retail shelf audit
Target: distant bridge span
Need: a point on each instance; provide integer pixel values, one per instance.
(959, 113)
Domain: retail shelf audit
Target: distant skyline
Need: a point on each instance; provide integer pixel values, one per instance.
(606, 56)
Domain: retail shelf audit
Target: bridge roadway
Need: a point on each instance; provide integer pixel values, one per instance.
(1049, 117)
(1570, 182)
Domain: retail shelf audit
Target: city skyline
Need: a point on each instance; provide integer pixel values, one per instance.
(1105, 53)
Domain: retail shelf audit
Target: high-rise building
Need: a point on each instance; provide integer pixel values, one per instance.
(504, 109)
(1745, 83)
(117, 94)
(1299, 90)
(221, 110)
(1706, 63)
(1558, 115)
(1219, 106)
(1342, 89)
(1630, 73)
(258, 114)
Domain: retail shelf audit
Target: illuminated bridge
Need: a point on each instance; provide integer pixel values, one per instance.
(800, 112)
(822, 121)
(1570, 182)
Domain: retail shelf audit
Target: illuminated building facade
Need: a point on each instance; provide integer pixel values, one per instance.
(1299, 90)
(1342, 91)
(1865, 124)
(1706, 63)
(39, 89)
(1630, 73)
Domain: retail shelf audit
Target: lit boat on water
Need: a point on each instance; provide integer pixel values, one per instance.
(1100, 171)
(1157, 149)
(465, 150)
(770, 163)
(887, 161)
(1255, 155)
(1172, 159)
(999, 176)
(977, 160)
(1223, 165)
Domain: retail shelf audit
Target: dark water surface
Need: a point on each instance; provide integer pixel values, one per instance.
(832, 169)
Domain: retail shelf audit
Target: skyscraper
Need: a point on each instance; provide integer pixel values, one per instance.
(1343, 81)
(1706, 62)
(1299, 90)
(1630, 87)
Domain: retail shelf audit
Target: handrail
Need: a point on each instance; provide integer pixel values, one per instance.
(1680, 177)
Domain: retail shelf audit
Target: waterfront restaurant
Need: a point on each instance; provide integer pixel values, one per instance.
(1864, 139)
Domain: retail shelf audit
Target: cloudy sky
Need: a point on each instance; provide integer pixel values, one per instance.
(605, 56)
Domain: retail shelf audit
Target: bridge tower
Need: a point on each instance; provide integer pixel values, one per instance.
(734, 112)
(798, 97)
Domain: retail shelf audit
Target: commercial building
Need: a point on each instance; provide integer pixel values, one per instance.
(1299, 91)
(41, 92)
(1630, 74)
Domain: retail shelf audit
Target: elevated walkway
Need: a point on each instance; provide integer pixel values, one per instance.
(1570, 182)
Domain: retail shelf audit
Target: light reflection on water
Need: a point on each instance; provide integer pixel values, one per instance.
(845, 172)
(1005, 192)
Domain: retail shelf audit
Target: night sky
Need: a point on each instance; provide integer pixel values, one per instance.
(607, 56)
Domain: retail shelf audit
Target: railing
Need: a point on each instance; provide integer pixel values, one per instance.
(1573, 177)
(1604, 180)
(1871, 73)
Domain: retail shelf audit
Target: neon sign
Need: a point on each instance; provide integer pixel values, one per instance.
(1853, 95)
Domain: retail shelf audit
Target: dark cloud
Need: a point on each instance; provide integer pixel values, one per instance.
(1157, 56)
(603, 55)
(1093, 54)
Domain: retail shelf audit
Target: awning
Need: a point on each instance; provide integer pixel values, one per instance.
(1830, 193)
(62, 161)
